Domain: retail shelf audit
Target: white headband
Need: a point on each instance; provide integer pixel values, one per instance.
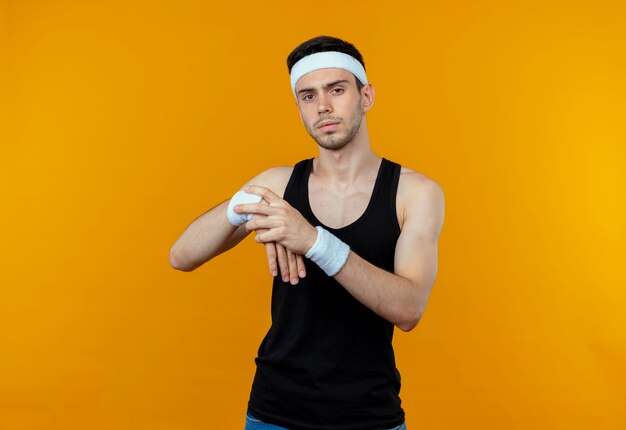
(326, 60)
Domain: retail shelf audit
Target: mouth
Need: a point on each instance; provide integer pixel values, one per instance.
(327, 125)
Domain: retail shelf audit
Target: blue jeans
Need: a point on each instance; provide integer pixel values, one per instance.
(256, 424)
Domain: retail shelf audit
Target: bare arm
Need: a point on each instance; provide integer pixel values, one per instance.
(211, 234)
(401, 297)
(205, 238)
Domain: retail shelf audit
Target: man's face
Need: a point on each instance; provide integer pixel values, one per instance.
(330, 96)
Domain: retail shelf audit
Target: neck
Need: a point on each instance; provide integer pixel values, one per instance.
(351, 164)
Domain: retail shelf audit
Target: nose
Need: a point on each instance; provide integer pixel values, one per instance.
(323, 104)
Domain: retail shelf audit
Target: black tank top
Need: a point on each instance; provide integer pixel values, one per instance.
(327, 361)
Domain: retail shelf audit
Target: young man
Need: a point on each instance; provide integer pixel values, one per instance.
(357, 233)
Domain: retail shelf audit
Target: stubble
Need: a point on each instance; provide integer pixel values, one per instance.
(335, 140)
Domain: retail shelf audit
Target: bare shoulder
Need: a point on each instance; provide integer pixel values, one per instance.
(420, 198)
(274, 178)
(412, 182)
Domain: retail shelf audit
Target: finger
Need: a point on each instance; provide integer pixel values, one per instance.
(293, 267)
(261, 223)
(254, 217)
(270, 250)
(253, 208)
(301, 266)
(282, 262)
(268, 236)
(266, 193)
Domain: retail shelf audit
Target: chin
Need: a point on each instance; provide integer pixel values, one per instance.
(332, 146)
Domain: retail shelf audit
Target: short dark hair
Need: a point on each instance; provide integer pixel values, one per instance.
(324, 44)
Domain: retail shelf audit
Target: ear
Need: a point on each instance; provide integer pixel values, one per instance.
(367, 96)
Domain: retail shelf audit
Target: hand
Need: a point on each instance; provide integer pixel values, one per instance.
(282, 223)
(291, 265)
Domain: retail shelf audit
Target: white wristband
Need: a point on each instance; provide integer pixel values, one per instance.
(329, 252)
(240, 197)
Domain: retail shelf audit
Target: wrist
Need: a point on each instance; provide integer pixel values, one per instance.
(310, 241)
(328, 251)
(236, 219)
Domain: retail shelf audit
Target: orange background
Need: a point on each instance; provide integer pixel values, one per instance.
(122, 121)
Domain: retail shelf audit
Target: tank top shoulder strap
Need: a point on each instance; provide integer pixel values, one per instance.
(298, 179)
(390, 177)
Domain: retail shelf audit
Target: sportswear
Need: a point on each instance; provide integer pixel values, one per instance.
(327, 361)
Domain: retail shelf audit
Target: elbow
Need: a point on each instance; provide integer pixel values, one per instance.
(178, 262)
(409, 321)
(408, 325)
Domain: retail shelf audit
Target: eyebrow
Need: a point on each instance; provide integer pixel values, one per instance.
(328, 85)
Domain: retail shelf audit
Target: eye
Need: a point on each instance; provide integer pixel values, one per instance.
(307, 97)
(338, 89)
